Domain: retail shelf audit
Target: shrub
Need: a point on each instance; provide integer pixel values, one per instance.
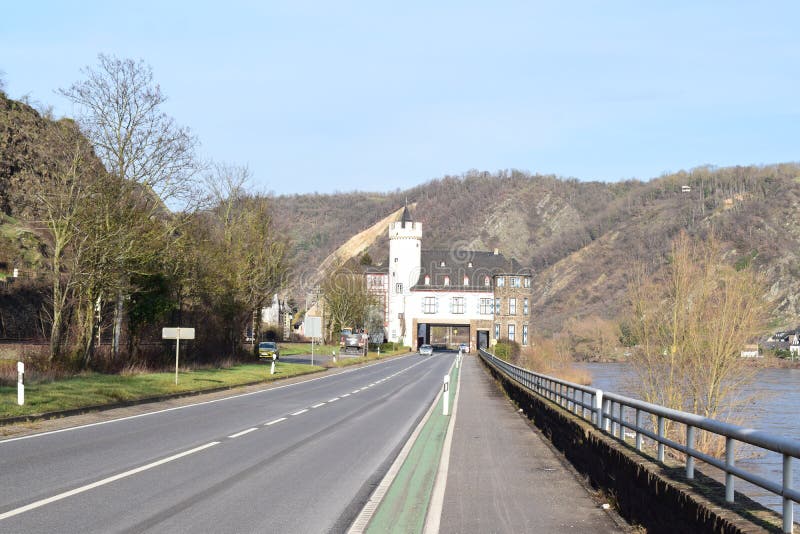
(507, 350)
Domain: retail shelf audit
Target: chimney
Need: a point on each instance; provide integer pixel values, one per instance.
(496, 251)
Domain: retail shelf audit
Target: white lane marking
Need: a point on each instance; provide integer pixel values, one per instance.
(333, 399)
(318, 405)
(355, 391)
(304, 410)
(345, 395)
(99, 423)
(242, 433)
(76, 491)
(275, 421)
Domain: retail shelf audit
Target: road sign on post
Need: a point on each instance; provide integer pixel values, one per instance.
(177, 333)
(313, 329)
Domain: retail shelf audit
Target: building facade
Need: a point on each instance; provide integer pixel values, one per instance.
(449, 297)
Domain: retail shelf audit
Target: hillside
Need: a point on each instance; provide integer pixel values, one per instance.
(581, 238)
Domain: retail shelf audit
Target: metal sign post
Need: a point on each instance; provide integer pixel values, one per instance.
(177, 333)
(446, 392)
(313, 329)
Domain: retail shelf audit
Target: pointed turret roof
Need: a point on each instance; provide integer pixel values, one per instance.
(406, 216)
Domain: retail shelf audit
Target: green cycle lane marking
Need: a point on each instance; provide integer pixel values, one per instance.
(405, 505)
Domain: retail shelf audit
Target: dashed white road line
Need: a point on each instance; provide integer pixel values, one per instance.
(102, 482)
(355, 391)
(333, 399)
(275, 421)
(318, 405)
(304, 410)
(345, 395)
(242, 433)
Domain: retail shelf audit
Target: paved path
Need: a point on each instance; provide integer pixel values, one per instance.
(503, 476)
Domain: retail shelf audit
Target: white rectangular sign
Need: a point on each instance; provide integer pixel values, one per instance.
(313, 327)
(177, 332)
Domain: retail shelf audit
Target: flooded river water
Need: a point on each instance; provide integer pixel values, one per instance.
(773, 406)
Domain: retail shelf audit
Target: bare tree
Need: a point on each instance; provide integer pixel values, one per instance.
(691, 321)
(119, 109)
(347, 299)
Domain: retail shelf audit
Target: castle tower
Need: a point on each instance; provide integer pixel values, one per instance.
(405, 257)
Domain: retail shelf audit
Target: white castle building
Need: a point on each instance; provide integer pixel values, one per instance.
(449, 297)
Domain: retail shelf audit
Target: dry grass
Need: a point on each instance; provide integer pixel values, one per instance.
(551, 356)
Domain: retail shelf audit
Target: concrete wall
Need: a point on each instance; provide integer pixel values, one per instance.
(645, 492)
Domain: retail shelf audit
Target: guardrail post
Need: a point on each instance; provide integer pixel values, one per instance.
(661, 436)
(729, 461)
(689, 449)
(638, 429)
(621, 423)
(788, 505)
(607, 406)
(446, 394)
(598, 409)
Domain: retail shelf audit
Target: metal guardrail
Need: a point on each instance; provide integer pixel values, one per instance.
(607, 412)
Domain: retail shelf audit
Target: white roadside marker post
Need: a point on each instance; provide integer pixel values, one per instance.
(20, 385)
(272, 369)
(334, 355)
(446, 386)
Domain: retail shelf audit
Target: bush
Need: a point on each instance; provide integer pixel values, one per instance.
(507, 350)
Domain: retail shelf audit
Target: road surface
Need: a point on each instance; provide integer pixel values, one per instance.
(299, 458)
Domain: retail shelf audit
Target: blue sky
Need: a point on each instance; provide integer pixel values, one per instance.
(337, 96)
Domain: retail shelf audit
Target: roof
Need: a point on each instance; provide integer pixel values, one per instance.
(457, 264)
(406, 218)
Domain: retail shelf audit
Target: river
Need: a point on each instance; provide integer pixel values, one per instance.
(774, 399)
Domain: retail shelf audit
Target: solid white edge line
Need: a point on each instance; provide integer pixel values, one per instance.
(345, 395)
(361, 523)
(99, 423)
(355, 391)
(304, 410)
(433, 518)
(333, 399)
(318, 405)
(102, 482)
(275, 421)
(242, 433)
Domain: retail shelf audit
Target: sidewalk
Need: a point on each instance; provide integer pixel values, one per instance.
(502, 476)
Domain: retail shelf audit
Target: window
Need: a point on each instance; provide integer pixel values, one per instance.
(525, 307)
(486, 281)
(395, 260)
(427, 280)
(501, 281)
(497, 331)
(447, 280)
(441, 264)
(466, 280)
(486, 307)
(429, 305)
(515, 281)
(524, 334)
(457, 305)
(497, 306)
(526, 282)
(512, 306)
(398, 288)
(511, 332)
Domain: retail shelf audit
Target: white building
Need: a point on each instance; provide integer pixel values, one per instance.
(449, 297)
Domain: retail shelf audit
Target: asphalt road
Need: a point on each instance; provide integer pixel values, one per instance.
(298, 458)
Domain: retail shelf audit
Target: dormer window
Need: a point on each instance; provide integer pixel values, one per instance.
(469, 264)
(427, 280)
(441, 264)
(447, 280)
(486, 281)
(466, 280)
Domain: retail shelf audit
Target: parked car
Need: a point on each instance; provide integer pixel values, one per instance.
(266, 349)
(425, 350)
(464, 347)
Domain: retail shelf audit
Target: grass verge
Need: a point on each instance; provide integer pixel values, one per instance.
(97, 389)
